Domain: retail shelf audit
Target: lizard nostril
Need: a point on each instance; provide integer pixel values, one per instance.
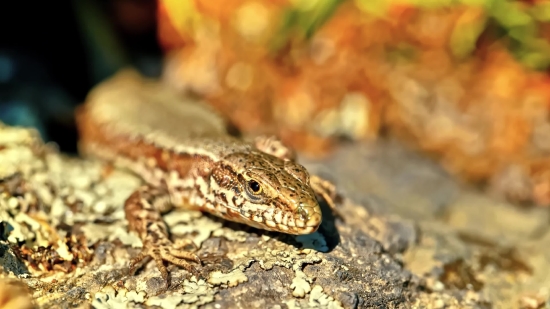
(304, 211)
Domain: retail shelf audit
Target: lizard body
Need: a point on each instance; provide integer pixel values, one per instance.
(182, 151)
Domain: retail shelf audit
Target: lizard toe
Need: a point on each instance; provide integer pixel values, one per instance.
(165, 252)
(189, 256)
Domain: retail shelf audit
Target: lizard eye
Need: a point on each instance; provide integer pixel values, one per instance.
(254, 186)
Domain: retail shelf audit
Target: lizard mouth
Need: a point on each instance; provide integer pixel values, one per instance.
(305, 219)
(308, 216)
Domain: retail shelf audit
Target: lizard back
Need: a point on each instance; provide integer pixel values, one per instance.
(132, 106)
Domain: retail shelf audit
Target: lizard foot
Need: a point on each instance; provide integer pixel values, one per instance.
(165, 251)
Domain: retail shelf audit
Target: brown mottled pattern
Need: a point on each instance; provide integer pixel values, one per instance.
(183, 154)
(230, 162)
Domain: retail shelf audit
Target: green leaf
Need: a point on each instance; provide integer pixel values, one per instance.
(510, 14)
(288, 21)
(477, 3)
(377, 8)
(312, 18)
(534, 54)
(432, 4)
(303, 20)
(467, 30)
(541, 11)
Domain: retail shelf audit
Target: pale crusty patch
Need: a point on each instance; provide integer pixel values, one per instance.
(230, 279)
(195, 293)
(109, 298)
(301, 284)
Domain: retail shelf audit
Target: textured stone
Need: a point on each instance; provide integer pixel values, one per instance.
(410, 238)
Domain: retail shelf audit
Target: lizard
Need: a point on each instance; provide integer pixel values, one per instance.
(181, 149)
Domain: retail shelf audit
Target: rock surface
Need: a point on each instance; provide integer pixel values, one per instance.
(410, 238)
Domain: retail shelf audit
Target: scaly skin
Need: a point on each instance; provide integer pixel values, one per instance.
(182, 151)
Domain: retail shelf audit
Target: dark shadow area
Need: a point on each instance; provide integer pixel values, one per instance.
(53, 52)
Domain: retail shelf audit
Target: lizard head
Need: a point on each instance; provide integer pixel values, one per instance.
(269, 193)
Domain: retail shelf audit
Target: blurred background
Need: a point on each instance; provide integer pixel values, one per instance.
(464, 82)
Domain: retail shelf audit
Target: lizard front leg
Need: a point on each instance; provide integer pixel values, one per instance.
(143, 211)
(326, 189)
(275, 147)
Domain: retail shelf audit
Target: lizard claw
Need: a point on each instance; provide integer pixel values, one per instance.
(168, 252)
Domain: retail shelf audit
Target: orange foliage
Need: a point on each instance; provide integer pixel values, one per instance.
(483, 117)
